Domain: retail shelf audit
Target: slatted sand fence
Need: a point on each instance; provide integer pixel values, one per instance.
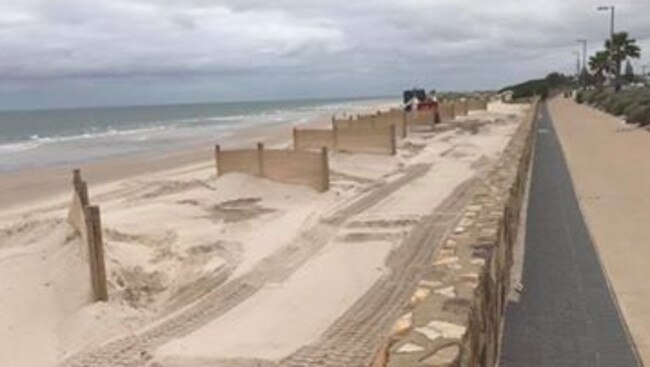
(460, 108)
(477, 104)
(287, 166)
(86, 221)
(422, 118)
(373, 140)
(446, 111)
(427, 118)
(313, 139)
(381, 119)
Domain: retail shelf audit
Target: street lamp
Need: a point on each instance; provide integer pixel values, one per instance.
(577, 54)
(611, 10)
(584, 57)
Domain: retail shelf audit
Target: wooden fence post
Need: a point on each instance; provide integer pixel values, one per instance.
(96, 253)
(325, 170)
(76, 177)
(295, 139)
(260, 159)
(91, 221)
(97, 242)
(217, 155)
(90, 228)
(82, 191)
(335, 137)
(80, 187)
(393, 140)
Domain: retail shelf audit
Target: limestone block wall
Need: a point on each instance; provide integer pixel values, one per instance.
(287, 166)
(456, 313)
(477, 105)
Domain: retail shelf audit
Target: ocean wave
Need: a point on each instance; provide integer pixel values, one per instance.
(19, 146)
(36, 141)
(180, 129)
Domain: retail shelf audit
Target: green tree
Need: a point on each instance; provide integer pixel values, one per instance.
(599, 65)
(624, 48)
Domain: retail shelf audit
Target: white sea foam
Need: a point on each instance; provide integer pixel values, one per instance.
(128, 136)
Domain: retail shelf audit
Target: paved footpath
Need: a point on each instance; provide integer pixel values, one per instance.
(566, 315)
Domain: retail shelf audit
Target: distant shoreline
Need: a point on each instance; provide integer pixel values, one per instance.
(34, 139)
(24, 187)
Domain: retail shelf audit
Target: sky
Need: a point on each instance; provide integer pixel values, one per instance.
(63, 53)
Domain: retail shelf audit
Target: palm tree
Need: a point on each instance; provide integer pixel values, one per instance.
(599, 64)
(624, 48)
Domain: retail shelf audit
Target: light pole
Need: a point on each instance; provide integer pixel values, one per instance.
(613, 65)
(577, 53)
(584, 58)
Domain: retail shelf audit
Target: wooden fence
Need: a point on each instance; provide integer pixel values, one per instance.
(85, 219)
(446, 110)
(313, 139)
(379, 120)
(477, 104)
(460, 108)
(373, 140)
(286, 166)
(420, 118)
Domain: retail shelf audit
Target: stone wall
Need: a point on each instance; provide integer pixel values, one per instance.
(287, 166)
(456, 313)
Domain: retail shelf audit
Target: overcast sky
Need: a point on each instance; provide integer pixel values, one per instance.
(109, 52)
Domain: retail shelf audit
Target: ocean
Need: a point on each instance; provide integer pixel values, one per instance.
(44, 138)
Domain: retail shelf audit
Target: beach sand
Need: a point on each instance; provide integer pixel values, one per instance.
(203, 270)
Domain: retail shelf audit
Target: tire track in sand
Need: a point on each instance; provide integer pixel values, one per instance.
(134, 350)
(354, 338)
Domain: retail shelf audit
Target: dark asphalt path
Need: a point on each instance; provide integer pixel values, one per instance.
(566, 315)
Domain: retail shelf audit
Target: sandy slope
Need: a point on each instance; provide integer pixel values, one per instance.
(205, 269)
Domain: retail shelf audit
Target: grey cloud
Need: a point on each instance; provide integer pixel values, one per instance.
(206, 49)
